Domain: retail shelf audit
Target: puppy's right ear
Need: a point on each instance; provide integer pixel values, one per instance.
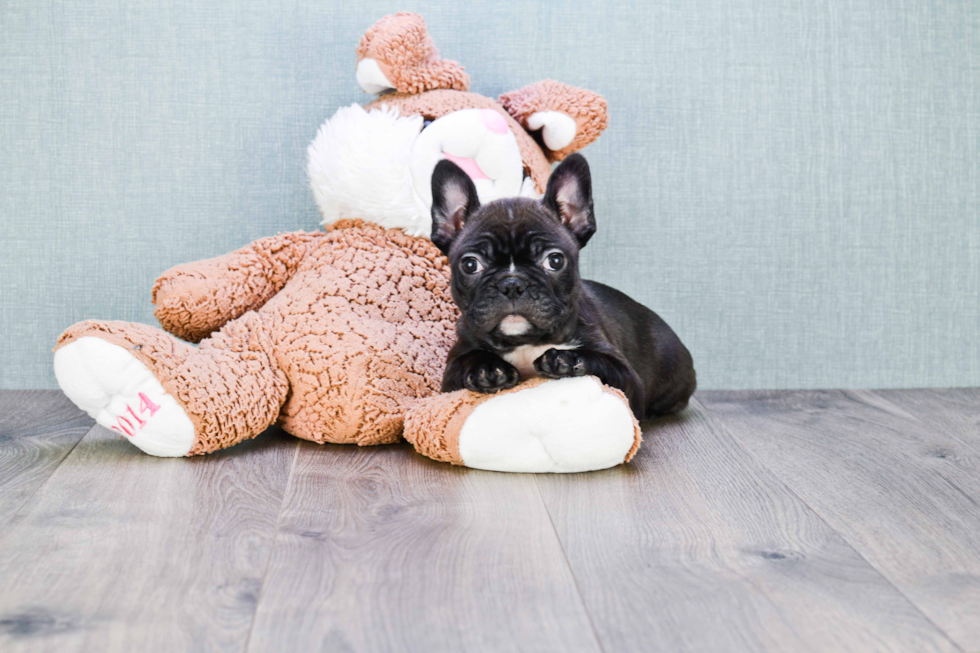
(569, 196)
(454, 200)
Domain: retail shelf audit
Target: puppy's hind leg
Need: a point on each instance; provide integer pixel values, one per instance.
(675, 399)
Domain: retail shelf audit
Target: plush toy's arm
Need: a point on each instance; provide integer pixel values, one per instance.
(195, 299)
(574, 424)
(570, 118)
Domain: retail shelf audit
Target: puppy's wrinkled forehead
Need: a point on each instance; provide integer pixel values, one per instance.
(519, 227)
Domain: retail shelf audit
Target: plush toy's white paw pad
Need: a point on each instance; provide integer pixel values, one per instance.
(121, 394)
(567, 425)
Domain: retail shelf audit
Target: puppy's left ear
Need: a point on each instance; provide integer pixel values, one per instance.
(569, 195)
(454, 200)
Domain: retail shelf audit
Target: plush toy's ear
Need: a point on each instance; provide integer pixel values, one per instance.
(398, 53)
(566, 117)
(569, 195)
(454, 200)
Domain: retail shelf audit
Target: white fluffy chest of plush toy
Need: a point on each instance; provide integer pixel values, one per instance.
(377, 165)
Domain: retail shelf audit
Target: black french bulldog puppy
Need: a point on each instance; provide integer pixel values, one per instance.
(526, 312)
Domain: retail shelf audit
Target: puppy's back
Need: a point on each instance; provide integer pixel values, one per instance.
(648, 343)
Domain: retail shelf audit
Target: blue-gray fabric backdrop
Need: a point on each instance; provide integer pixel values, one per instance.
(792, 185)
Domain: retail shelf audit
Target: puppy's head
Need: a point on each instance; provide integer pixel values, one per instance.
(514, 261)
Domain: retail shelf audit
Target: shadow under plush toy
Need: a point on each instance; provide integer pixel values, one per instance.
(341, 336)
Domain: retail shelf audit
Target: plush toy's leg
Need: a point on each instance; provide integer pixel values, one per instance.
(167, 397)
(568, 425)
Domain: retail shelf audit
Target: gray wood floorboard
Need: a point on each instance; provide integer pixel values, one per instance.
(37, 430)
(904, 491)
(953, 411)
(695, 546)
(383, 550)
(787, 521)
(121, 551)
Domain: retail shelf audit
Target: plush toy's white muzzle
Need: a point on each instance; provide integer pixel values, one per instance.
(477, 140)
(377, 165)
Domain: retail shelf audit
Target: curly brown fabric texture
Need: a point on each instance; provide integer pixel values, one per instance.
(589, 110)
(364, 326)
(408, 57)
(436, 104)
(186, 305)
(230, 387)
(433, 425)
(359, 328)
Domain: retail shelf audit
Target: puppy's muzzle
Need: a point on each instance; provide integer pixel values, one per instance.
(511, 287)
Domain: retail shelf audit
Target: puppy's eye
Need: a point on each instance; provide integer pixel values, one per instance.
(554, 261)
(470, 265)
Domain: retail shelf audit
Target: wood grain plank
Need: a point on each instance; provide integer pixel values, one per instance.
(37, 430)
(126, 552)
(891, 484)
(383, 550)
(697, 547)
(954, 411)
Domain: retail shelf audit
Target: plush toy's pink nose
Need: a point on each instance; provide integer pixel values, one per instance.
(494, 121)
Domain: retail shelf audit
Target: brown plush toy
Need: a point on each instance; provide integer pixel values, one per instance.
(337, 335)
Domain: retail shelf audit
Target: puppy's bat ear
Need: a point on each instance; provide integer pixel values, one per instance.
(454, 200)
(569, 195)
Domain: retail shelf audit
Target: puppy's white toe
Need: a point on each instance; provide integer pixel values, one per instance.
(566, 425)
(121, 393)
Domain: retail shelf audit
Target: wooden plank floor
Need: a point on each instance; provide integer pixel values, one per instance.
(755, 521)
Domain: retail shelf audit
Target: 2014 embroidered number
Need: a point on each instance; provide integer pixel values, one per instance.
(125, 426)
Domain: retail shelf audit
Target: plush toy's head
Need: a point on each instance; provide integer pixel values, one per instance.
(375, 162)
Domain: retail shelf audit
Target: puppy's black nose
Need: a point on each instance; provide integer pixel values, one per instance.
(513, 287)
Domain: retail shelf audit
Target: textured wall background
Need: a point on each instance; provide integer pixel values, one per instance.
(793, 185)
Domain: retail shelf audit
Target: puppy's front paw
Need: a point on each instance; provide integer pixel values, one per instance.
(559, 363)
(488, 376)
